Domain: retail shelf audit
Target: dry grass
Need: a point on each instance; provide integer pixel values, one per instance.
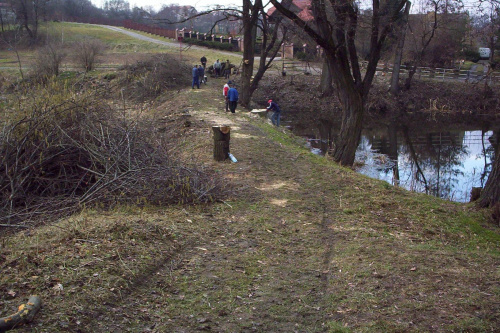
(301, 245)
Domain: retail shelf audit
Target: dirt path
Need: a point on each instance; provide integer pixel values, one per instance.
(241, 270)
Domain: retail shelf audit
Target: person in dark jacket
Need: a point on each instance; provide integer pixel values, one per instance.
(201, 75)
(275, 118)
(232, 96)
(227, 69)
(203, 61)
(196, 79)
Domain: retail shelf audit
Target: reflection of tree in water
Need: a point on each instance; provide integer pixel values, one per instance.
(487, 154)
(439, 163)
(436, 160)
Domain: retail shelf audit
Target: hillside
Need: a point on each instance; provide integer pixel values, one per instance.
(300, 245)
(297, 244)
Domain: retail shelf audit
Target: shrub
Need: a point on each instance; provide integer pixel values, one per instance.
(471, 55)
(211, 44)
(304, 56)
(48, 61)
(87, 53)
(150, 78)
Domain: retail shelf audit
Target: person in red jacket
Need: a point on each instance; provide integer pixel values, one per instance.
(224, 93)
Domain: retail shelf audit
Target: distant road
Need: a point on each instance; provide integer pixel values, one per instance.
(142, 37)
(161, 42)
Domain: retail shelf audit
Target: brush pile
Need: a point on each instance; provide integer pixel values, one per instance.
(62, 149)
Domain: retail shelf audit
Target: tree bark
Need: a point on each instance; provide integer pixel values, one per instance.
(326, 85)
(25, 314)
(399, 52)
(347, 141)
(250, 17)
(491, 192)
(222, 136)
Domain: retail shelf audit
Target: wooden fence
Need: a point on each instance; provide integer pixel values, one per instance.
(445, 74)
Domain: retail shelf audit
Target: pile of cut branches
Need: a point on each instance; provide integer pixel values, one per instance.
(60, 150)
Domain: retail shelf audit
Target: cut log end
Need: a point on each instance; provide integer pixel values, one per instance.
(222, 136)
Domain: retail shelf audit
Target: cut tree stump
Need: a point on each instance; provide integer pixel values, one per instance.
(25, 313)
(222, 136)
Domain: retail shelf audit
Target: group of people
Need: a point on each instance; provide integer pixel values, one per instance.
(219, 68)
(198, 73)
(229, 91)
(230, 95)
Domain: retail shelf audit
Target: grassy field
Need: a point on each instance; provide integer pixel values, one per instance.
(300, 245)
(121, 49)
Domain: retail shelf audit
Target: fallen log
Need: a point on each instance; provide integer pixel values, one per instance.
(25, 313)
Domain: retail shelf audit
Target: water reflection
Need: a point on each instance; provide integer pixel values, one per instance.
(446, 164)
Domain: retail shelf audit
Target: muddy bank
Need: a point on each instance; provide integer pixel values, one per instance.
(445, 103)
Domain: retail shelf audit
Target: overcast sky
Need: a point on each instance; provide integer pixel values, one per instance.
(157, 4)
(205, 4)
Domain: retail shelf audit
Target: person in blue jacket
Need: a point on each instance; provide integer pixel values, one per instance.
(232, 96)
(201, 75)
(275, 118)
(196, 78)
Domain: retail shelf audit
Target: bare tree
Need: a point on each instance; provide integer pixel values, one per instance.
(48, 61)
(334, 29)
(253, 18)
(28, 14)
(87, 53)
(250, 18)
(490, 25)
(273, 35)
(399, 51)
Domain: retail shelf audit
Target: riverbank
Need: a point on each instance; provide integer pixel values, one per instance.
(445, 103)
(300, 244)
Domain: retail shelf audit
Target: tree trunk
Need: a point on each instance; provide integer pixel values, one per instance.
(222, 136)
(326, 85)
(1, 20)
(491, 192)
(350, 131)
(326, 135)
(250, 15)
(393, 151)
(399, 52)
(492, 49)
(411, 73)
(266, 52)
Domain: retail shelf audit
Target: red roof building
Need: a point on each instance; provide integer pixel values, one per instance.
(300, 7)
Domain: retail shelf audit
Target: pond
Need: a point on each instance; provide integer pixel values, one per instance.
(446, 163)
